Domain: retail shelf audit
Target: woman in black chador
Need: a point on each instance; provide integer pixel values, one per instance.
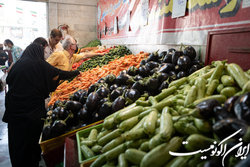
(30, 81)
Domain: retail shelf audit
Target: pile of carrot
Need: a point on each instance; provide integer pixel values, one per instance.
(87, 78)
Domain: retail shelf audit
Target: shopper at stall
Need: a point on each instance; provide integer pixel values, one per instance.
(14, 52)
(30, 81)
(41, 41)
(3, 56)
(54, 43)
(66, 58)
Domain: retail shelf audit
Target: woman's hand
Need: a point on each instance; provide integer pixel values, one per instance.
(56, 78)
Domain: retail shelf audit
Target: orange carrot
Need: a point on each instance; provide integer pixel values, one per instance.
(85, 79)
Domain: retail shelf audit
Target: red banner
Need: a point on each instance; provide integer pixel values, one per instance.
(200, 16)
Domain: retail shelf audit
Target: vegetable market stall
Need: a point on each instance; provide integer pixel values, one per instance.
(144, 134)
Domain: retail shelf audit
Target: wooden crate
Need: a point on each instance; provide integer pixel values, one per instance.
(56, 142)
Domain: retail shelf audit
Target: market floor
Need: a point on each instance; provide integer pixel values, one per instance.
(4, 151)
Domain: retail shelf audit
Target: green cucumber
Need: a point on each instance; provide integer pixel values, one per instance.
(87, 152)
(115, 152)
(134, 156)
(227, 80)
(149, 125)
(113, 143)
(191, 96)
(93, 134)
(129, 123)
(112, 135)
(160, 155)
(122, 162)
(166, 125)
(129, 113)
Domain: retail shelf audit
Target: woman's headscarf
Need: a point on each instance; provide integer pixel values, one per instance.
(34, 51)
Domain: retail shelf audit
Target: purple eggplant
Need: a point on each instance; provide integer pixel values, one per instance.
(113, 87)
(105, 110)
(83, 115)
(184, 62)
(101, 81)
(132, 94)
(153, 71)
(198, 62)
(153, 57)
(56, 110)
(102, 92)
(122, 78)
(151, 65)
(46, 133)
(59, 127)
(227, 127)
(220, 113)
(143, 71)
(177, 68)
(54, 117)
(58, 103)
(73, 106)
(93, 87)
(132, 71)
(212, 163)
(242, 107)
(63, 114)
(162, 77)
(171, 50)
(152, 85)
(167, 58)
(110, 79)
(123, 72)
(163, 54)
(244, 163)
(92, 101)
(138, 78)
(138, 85)
(115, 93)
(76, 96)
(83, 97)
(193, 68)
(181, 74)
(190, 52)
(205, 108)
(166, 68)
(172, 75)
(229, 104)
(104, 100)
(143, 62)
(164, 85)
(175, 56)
(118, 104)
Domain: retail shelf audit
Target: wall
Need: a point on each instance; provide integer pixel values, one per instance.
(79, 15)
(148, 24)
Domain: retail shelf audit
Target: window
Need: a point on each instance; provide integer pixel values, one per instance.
(22, 21)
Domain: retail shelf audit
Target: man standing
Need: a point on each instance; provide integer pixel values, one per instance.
(14, 51)
(66, 58)
(54, 43)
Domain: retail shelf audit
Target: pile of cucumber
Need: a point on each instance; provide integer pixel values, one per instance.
(143, 133)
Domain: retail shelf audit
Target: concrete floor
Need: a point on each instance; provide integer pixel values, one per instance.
(4, 151)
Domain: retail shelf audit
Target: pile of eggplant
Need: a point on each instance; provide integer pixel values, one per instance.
(229, 118)
(112, 93)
